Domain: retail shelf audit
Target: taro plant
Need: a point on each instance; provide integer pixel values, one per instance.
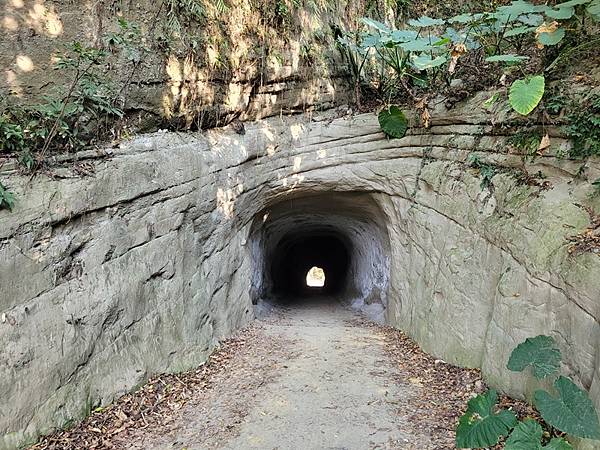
(430, 48)
(393, 122)
(569, 410)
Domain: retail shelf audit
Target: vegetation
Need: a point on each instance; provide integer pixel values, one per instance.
(7, 199)
(393, 122)
(427, 51)
(584, 128)
(71, 119)
(569, 411)
(486, 171)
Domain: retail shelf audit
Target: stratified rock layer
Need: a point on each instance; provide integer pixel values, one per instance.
(144, 265)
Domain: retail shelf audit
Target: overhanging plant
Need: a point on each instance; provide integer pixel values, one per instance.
(428, 49)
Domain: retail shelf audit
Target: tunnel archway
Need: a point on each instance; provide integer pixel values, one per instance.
(343, 233)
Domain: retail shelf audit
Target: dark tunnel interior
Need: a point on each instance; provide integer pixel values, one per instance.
(296, 254)
(344, 234)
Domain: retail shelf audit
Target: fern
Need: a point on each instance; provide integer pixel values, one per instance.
(221, 6)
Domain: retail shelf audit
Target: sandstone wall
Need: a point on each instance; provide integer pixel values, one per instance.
(254, 59)
(143, 265)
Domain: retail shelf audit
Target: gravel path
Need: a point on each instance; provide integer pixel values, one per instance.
(315, 376)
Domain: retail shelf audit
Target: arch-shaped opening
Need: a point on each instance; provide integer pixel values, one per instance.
(345, 234)
(315, 277)
(297, 253)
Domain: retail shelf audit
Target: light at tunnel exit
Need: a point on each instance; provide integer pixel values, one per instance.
(315, 277)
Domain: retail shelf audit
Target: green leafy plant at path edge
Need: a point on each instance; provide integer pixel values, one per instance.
(540, 353)
(571, 411)
(481, 426)
(527, 435)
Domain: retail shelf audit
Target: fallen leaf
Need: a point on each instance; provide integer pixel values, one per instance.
(426, 117)
(544, 144)
(457, 51)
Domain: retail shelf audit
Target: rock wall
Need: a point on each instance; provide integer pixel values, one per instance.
(251, 59)
(142, 265)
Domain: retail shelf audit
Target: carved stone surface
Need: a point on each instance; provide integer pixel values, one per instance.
(143, 266)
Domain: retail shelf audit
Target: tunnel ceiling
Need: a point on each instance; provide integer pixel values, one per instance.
(344, 233)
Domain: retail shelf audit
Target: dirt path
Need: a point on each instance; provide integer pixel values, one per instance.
(310, 377)
(322, 382)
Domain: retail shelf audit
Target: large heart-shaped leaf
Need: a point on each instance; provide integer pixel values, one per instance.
(526, 94)
(381, 27)
(572, 412)
(417, 45)
(466, 18)
(534, 20)
(404, 35)
(558, 444)
(425, 21)
(572, 3)
(393, 122)
(540, 353)
(527, 435)
(552, 38)
(481, 426)
(425, 61)
(560, 13)
(594, 9)
(519, 31)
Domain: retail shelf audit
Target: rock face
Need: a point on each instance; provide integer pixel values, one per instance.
(144, 265)
(190, 68)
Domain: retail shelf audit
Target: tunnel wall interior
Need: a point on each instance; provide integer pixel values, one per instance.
(343, 233)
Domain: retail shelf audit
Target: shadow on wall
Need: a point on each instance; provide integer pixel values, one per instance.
(345, 234)
(209, 69)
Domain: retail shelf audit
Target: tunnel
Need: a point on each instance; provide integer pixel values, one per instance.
(297, 253)
(344, 235)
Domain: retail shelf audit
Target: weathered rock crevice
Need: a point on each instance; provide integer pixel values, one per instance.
(145, 265)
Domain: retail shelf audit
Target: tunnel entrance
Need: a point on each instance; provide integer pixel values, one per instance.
(344, 234)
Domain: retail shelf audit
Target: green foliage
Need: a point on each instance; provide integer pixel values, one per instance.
(571, 412)
(486, 171)
(182, 10)
(527, 141)
(540, 353)
(393, 122)
(481, 425)
(527, 435)
(7, 198)
(430, 49)
(128, 39)
(70, 118)
(584, 128)
(558, 444)
(526, 94)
